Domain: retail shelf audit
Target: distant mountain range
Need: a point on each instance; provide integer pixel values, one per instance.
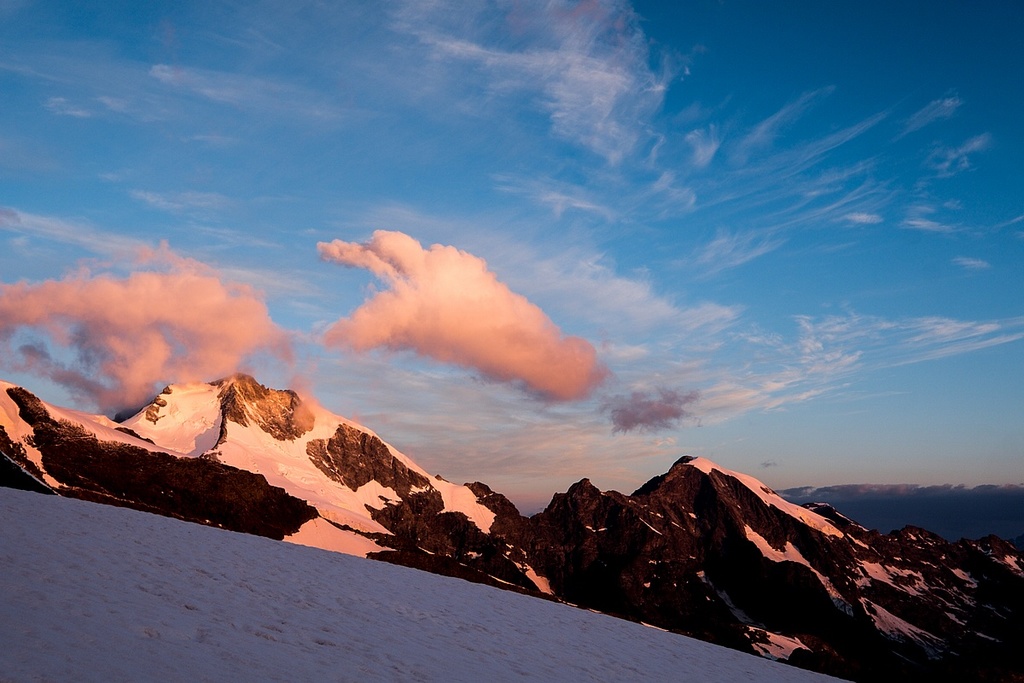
(700, 549)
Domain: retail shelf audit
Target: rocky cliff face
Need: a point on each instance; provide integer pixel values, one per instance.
(716, 554)
(699, 550)
(278, 413)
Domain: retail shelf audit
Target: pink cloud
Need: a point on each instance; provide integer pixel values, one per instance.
(445, 304)
(115, 340)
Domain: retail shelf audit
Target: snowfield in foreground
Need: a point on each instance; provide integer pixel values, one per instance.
(95, 593)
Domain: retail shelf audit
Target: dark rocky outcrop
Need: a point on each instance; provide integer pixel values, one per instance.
(15, 452)
(682, 552)
(279, 413)
(420, 524)
(354, 458)
(13, 476)
(424, 534)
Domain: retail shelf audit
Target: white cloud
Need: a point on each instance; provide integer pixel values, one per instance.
(918, 219)
(763, 135)
(927, 225)
(730, 250)
(972, 263)
(1012, 221)
(705, 144)
(62, 107)
(178, 202)
(948, 161)
(935, 110)
(115, 104)
(887, 343)
(862, 218)
(262, 95)
(587, 66)
(69, 232)
(829, 354)
(558, 195)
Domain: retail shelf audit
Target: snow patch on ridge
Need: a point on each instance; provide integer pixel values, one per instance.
(769, 497)
(899, 629)
(287, 465)
(18, 431)
(542, 584)
(1013, 563)
(878, 572)
(792, 554)
(319, 533)
(462, 499)
(778, 647)
(188, 422)
(103, 428)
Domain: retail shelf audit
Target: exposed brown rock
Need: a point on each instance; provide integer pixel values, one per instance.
(280, 413)
(354, 458)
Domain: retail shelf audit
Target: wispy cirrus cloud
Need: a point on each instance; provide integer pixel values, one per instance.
(949, 161)
(560, 196)
(254, 93)
(61, 106)
(669, 197)
(863, 218)
(936, 110)
(733, 249)
(763, 135)
(1012, 221)
(828, 355)
(926, 225)
(919, 218)
(881, 342)
(587, 66)
(705, 144)
(179, 202)
(64, 231)
(970, 263)
(591, 289)
(790, 188)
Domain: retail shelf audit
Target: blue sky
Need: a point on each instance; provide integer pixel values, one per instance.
(793, 239)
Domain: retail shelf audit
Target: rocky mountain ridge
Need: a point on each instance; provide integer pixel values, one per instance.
(700, 549)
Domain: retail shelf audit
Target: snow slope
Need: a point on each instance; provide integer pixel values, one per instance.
(96, 593)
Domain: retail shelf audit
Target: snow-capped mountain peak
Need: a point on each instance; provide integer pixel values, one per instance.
(345, 472)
